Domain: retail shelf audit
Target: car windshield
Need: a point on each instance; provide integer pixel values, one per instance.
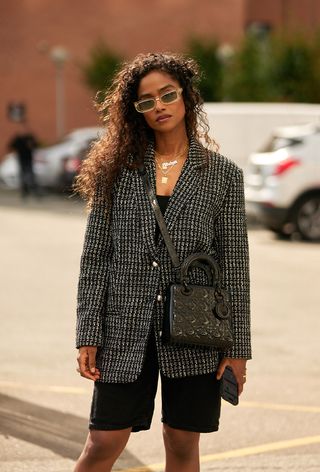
(278, 142)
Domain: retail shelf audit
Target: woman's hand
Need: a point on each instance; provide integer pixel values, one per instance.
(239, 369)
(87, 362)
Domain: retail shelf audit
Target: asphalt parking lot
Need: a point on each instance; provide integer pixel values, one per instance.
(44, 404)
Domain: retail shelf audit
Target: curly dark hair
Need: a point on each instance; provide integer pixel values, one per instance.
(127, 133)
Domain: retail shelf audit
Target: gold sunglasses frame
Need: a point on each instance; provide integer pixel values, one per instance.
(158, 97)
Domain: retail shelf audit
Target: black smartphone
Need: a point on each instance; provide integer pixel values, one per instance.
(229, 386)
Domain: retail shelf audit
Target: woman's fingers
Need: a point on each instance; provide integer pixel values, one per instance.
(239, 369)
(87, 360)
(92, 360)
(223, 364)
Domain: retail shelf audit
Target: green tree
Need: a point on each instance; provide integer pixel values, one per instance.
(206, 54)
(248, 76)
(316, 67)
(296, 69)
(100, 68)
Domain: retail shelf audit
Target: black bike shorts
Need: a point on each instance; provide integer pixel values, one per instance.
(189, 403)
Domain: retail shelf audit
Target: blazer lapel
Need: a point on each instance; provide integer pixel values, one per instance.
(183, 192)
(187, 185)
(148, 221)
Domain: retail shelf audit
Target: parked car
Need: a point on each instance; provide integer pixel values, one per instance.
(282, 182)
(52, 165)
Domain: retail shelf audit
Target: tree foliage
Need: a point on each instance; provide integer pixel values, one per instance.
(273, 68)
(100, 68)
(248, 73)
(295, 70)
(206, 54)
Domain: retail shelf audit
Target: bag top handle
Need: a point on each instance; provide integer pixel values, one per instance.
(214, 271)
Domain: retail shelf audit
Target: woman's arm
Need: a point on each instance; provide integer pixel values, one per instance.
(92, 287)
(232, 245)
(93, 276)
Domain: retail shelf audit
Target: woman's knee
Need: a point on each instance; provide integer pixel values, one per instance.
(104, 445)
(183, 444)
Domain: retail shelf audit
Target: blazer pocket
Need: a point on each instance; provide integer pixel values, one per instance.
(111, 311)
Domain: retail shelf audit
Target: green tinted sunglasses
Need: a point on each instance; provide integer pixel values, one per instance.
(148, 104)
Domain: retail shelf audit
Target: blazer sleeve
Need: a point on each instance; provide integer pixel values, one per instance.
(232, 245)
(92, 283)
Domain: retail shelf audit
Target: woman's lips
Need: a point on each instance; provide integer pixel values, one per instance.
(163, 118)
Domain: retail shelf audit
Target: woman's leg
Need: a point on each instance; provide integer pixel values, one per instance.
(182, 450)
(118, 405)
(101, 450)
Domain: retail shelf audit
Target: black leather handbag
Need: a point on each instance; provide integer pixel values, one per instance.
(197, 315)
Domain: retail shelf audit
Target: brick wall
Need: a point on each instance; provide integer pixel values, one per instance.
(128, 27)
(293, 15)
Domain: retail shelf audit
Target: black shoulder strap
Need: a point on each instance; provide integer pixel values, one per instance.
(159, 217)
(163, 227)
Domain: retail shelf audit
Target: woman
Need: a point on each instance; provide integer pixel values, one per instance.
(153, 115)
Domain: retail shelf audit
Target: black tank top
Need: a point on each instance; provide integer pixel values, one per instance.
(163, 201)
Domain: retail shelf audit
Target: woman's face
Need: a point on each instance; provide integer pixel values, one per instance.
(164, 117)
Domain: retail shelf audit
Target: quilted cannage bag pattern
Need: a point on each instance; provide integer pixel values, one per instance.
(197, 314)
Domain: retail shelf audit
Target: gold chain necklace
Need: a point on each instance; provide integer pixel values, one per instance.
(164, 167)
(164, 178)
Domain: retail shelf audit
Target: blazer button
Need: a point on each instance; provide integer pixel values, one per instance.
(159, 297)
(155, 264)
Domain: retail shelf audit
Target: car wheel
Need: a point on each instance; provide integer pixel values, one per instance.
(282, 231)
(279, 233)
(307, 217)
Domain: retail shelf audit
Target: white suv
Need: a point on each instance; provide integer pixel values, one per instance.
(283, 182)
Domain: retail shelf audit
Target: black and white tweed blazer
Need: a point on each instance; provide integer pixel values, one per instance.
(124, 273)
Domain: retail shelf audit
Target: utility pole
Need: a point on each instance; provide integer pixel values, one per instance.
(59, 56)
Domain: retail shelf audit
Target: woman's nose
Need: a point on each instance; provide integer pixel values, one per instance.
(159, 104)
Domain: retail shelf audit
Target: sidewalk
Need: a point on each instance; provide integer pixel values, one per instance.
(266, 463)
(44, 404)
(23, 457)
